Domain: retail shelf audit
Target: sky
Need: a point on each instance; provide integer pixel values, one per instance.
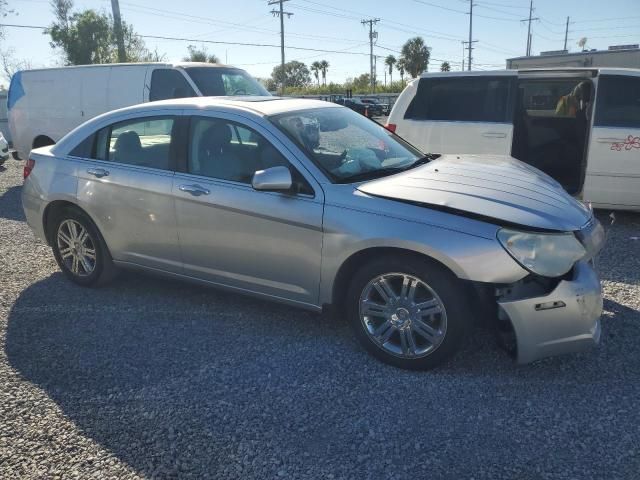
(335, 27)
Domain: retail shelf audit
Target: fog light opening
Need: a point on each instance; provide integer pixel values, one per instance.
(550, 305)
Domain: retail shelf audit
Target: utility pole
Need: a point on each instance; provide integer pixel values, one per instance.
(373, 35)
(470, 42)
(117, 27)
(530, 19)
(469, 47)
(566, 34)
(281, 13)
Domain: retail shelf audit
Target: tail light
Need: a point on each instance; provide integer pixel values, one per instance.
(28, 167)
(391, 127)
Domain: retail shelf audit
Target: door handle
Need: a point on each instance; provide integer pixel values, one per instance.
(98, 172)
(494, 135)
(195, 190)
(610, 140)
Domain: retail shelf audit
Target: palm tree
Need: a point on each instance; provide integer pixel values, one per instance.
(445, 67)
(324, 66)
(416, 56)
(390, 61)
(401, 66)
(315, 68)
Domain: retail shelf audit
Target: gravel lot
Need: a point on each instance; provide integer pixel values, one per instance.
(149, 378)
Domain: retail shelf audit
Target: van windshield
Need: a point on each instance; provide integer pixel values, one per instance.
(217, 82)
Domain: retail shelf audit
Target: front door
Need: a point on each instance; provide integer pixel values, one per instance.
(125, 186)
(613, 165)
(230, 234)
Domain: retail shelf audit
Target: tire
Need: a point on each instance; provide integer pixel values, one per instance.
(96, 267)
(433, 319)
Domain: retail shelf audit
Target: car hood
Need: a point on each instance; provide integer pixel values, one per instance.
(497, 188)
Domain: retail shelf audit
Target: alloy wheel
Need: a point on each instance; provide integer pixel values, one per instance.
(403, 315)
(76, 247)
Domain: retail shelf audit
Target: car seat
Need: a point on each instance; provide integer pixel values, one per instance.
(128, 148)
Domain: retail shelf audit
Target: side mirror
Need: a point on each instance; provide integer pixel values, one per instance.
(274, 179)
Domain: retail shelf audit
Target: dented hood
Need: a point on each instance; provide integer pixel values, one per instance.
(497, 187)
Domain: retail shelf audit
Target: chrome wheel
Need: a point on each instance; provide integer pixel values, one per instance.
(76, 248)
(403, 315)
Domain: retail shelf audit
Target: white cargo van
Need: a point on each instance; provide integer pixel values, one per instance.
(45, 104)
(580, 126)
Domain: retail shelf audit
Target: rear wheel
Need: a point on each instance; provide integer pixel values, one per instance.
(407, 312)
(80, 250)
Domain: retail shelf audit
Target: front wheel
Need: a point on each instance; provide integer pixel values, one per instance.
(407, 312)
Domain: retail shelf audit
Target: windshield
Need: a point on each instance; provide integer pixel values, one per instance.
(347, 145)
(216, 82)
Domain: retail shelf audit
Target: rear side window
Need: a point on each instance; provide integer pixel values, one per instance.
(84, 149)
(618, 102)
(467, 99)
(169, 83)
(142, 142)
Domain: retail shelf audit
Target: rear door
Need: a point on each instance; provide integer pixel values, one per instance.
(124, 182)
(613, 164)
(461, 114)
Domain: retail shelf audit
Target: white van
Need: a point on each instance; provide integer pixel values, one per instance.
(45, 104)
(580, 126)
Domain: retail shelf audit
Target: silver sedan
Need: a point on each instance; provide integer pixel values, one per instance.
(309, 203)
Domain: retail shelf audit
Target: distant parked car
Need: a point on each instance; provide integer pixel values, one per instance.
(378, 107)
(363, 107)
(309, 203)
(4, 149)
(45, 104)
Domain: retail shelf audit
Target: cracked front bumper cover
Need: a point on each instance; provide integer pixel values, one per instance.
(564, 321)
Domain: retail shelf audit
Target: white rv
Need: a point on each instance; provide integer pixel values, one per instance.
(45, 104)
(580, 125)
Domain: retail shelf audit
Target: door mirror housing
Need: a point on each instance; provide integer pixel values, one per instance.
(274, 179)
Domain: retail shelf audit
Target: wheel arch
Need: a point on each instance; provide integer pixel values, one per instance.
(361, 257)
(52, 209)
(42, 141)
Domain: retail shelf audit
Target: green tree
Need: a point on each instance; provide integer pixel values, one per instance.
(294, 74)
(315, 68)
(87, 37)
(445, 67)
(324, 66)
(390, 61)
(416, 56)
(200, 55)
(401, 66)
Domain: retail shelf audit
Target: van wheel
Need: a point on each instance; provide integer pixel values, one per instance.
(407, 312)
(80, 250)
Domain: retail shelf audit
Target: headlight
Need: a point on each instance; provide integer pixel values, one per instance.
(547, 254)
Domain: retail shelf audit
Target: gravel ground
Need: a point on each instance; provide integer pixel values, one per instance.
(149, 378)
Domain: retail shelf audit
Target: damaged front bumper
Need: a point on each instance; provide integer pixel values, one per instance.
(563, 321)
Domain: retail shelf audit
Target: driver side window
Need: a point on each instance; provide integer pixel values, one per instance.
(230, 151)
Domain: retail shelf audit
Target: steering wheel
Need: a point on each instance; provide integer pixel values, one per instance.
(240, 91)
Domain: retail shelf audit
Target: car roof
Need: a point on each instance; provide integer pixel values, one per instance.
(513, 72)
(261, 105)
(137, 64)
